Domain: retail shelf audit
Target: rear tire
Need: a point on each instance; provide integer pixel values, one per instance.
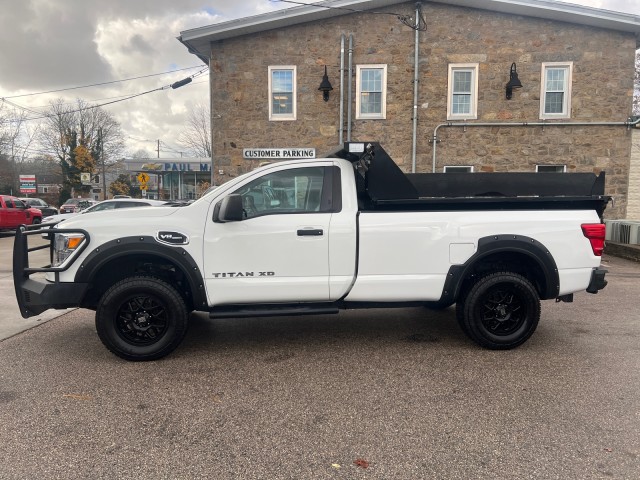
(500, 311)
(141, 318)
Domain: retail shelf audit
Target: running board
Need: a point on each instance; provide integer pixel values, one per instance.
(240, 311)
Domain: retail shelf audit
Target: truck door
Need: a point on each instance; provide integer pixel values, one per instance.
(279, 251)
(11, 213)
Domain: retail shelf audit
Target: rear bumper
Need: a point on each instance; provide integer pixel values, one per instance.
(597, 280)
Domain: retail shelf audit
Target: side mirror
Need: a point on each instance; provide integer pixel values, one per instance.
(229, 209)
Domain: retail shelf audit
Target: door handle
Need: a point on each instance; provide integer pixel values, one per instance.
(310, 232)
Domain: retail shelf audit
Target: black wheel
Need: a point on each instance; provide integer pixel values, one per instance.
(141, 318)
(37, 221)
(500, 311)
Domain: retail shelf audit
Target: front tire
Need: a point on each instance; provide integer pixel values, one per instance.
(141, 318)
(501, 311)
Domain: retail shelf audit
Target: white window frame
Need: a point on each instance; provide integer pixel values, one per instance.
(566, 103)
(463, 67)
(458, 169)
(371, 116)
(563, 167)
(282, 116)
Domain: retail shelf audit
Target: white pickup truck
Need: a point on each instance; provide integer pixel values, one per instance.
(317, 236)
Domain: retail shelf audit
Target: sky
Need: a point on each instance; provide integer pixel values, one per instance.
(60, 44)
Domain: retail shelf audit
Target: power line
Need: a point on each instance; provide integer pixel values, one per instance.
(103, 83)
(420, 24)
(165, 87)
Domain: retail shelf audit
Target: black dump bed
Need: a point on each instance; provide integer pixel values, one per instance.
(383, 186)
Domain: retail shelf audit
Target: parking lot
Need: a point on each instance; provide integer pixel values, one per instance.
(380, 394)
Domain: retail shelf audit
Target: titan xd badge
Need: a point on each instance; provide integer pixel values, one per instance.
(243, 274)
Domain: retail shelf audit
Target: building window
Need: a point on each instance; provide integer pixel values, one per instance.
(371, 85)
(458, 169)
(551, 168)
(282, 93)
(462, 100)
(555, 95)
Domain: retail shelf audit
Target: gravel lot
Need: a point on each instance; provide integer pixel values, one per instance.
(401, 392)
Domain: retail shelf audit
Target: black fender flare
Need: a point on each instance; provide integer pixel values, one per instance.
(504, 244)
(145, 245)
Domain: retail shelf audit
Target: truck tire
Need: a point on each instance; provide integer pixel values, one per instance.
(500, 311)
(141, 318)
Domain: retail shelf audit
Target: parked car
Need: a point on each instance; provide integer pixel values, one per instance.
(14, 213)
(41, 205)
(75, 205)
(106, 205)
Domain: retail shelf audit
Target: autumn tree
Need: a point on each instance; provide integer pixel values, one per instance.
(121, 186)
(82, 133)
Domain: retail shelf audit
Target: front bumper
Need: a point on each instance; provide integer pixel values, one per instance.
(597, 280)
(36, 296)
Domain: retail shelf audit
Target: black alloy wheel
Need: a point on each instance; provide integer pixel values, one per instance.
(141, 318)
(500, 311)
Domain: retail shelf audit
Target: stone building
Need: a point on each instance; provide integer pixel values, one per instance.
(434, 96)
(633, 210)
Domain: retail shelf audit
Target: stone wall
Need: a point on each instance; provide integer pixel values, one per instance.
(633, 210)
(603, 63)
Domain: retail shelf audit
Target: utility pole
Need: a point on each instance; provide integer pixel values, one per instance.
(104, 177)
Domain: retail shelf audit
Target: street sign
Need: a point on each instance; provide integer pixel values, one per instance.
(143, 177)
(27, 184)
(85, 178)
(143, 187)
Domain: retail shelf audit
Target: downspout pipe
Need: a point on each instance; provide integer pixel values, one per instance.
(629, 123)
(341, 131)
(416, 79)
(349, 97)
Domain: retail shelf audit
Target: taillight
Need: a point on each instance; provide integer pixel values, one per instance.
(595, 233)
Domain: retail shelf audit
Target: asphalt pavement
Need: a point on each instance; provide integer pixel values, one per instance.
(380, 394)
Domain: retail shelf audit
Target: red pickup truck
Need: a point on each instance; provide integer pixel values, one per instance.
(13, 213)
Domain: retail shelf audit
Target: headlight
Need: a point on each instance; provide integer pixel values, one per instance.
(64, 245)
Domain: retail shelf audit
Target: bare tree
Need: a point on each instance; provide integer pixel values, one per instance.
(196, 136)
(16, 140)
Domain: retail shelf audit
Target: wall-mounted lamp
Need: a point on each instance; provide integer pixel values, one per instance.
(325, 86)
(514, 81)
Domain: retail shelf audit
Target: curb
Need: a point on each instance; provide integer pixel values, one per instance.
(623, 250)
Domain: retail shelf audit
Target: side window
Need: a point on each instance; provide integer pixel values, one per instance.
(371, 98)
(555, 95)
(104, 206)
(462, 99)
(282, 93)
(551, 168)
(9, 202)
(18, 203)
(296, 190)
(131, 204)
(458, 169)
